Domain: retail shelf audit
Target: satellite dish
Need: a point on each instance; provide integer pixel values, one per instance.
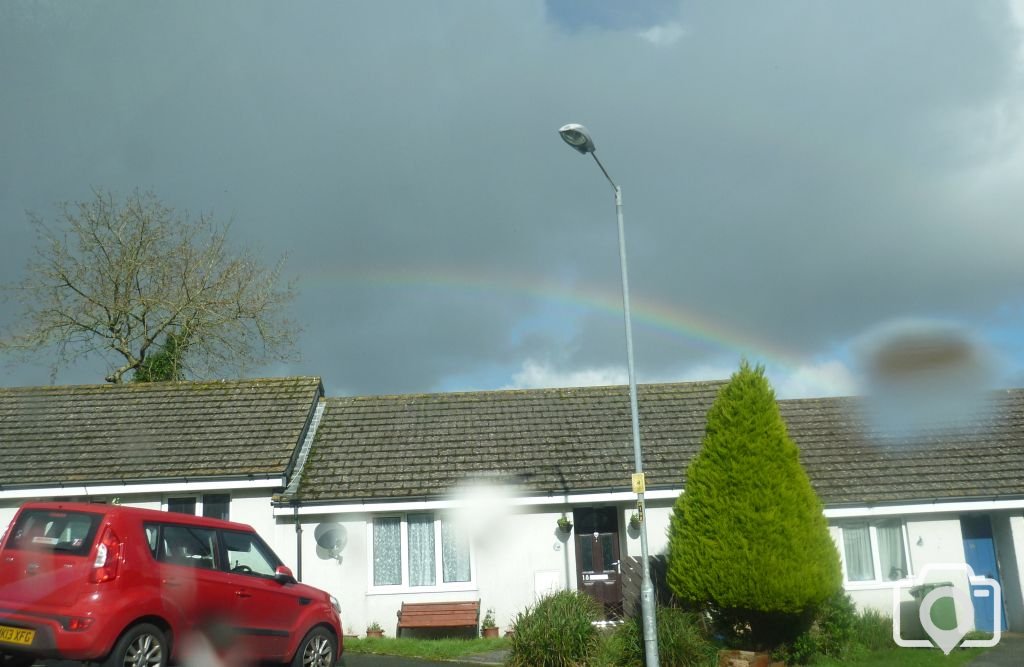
(331, 539)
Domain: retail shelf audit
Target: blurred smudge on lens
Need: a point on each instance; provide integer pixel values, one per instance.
(923, 378)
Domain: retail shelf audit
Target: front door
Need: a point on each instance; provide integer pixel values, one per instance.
(980, 550)
(597, 557)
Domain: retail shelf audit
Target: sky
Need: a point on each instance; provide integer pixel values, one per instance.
(796, 176)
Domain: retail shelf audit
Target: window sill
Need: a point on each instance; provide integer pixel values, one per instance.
(876, 585)
(410, 590)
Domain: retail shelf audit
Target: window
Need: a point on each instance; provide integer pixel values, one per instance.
(57, 531)
(187, 545)
(418, 551)
(182, 505)
(246, 554)
(215, 505)
(874, 552)
(212, 505)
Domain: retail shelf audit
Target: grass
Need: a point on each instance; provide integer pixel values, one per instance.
(906, 657)
(431, 649)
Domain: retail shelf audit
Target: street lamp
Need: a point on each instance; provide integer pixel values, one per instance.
(577, 136)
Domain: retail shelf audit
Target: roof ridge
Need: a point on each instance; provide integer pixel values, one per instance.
(165, 384)
(532, 390)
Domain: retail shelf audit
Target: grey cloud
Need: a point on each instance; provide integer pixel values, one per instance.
(791, 171)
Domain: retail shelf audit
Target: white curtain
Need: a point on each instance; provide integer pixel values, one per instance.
(421, 550)
(857, 548)
(454, 552)
(891, 556)
(387, 551)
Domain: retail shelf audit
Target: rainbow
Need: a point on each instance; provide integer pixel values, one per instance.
(663, 318)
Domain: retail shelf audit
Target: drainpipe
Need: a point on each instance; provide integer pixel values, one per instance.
(298, 541)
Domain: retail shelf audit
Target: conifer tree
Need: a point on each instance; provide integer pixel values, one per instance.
(748, 542)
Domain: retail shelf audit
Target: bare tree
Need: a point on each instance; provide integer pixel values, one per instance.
(119, 278)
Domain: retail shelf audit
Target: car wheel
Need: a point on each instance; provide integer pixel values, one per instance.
(143, 645)
(317, 649)
(16, 660)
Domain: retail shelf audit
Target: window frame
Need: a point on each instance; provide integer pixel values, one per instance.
(879, 581)
(200, 502)
(404, 587)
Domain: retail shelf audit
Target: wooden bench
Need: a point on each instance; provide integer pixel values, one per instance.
(430, 615)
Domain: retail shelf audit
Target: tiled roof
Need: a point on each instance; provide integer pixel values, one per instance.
(848, 462)
(134, 432)
(558, 440)
(546, 440)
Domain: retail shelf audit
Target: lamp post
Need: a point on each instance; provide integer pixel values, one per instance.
(578, 137)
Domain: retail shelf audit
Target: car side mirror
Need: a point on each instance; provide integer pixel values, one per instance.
(284, 575)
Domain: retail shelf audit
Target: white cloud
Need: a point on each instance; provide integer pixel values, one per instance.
(826, 378)
(536, 375)
(664, 35)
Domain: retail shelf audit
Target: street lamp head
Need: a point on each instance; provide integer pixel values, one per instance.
(577, 136)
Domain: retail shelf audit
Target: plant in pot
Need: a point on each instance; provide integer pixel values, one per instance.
(488, 627)
(564, 524)
(634, 521)
(374, 631)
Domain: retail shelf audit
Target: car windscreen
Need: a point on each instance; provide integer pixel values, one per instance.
(56, 531)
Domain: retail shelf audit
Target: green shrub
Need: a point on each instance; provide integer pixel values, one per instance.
(681, 641)
(556, 632)
(748, 543)
(838, 632)
(872, 631)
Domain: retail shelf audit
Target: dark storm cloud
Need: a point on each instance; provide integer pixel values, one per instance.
(792, 171)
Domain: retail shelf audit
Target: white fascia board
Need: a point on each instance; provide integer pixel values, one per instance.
(452, 503)
(937, 507)
(141, 488)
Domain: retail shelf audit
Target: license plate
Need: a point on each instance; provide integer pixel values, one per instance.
(19, 636)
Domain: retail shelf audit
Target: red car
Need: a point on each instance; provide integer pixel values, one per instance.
(124, 587)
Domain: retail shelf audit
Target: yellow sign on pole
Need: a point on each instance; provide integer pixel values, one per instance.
(639, 485)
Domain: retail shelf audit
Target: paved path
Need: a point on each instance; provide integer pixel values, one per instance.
(364, 660)
(1009, 652)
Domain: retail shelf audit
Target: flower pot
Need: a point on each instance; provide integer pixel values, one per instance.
(509, 633)
(489, 633)
(374, 634)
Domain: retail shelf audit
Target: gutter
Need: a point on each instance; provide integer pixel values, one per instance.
(166, 485)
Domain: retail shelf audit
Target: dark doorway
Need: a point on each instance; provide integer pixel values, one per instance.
(980, 550)
(597, 557)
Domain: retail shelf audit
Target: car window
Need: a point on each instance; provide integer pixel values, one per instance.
(52, 530)
(187, 545)
(152, 535)
(246, 554)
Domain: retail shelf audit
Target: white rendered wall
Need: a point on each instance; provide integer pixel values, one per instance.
(932, 540)
(1008, 531)
(513, 554)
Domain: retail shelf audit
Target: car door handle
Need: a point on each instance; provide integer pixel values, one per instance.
(243, 594)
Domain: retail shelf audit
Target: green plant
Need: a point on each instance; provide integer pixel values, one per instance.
(872, 631)
(558, 631)
(374, 627)
(488, 621)
(634, 520)
(681, 641)
(748, 543)
(839, 632)
(564, 524)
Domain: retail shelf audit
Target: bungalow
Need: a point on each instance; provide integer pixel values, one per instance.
(389, 499)
(219, 449)
(439, 497)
